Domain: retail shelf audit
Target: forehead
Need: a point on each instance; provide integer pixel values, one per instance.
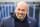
(21, 7)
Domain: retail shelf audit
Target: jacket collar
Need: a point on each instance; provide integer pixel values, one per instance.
(14, 16)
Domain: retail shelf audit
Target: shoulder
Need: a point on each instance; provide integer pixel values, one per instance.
(33, 21)
(5, 18)
(30, 19)
(3, 21)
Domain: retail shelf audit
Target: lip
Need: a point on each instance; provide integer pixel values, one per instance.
(19, 15)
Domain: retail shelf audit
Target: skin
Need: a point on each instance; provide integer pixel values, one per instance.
(21, 10)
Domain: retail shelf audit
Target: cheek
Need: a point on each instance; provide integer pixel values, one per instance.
(16, 12)
(24, 13)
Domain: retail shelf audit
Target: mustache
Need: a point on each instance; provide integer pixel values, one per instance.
(20, 13)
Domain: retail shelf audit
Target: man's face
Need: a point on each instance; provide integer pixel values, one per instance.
(21, 12)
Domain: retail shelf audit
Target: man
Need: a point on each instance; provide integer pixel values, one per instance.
(19, 18)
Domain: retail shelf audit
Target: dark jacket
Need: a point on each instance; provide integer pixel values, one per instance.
(9, 21)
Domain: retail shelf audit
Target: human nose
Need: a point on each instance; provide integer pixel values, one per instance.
(20, 12)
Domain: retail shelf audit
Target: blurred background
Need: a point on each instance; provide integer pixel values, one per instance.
(8, 6)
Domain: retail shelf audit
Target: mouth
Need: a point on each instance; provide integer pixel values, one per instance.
(20, 15)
